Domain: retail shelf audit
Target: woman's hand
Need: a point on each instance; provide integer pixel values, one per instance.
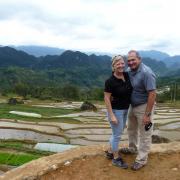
(114, 120)
(107, 99)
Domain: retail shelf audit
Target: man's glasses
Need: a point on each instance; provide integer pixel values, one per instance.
(130, 60)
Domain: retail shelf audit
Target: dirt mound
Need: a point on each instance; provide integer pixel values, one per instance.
(89, 163)
(88, 106)
(160, 167)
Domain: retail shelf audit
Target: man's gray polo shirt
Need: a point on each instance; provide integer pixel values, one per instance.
(142, 80)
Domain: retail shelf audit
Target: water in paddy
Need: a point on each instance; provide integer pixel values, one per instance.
(29, 135)
(171, 126)
(53, 147)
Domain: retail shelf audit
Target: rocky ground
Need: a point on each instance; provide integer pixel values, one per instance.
(159, 167)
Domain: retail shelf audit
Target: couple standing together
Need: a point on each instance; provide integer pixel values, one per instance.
(130, 95)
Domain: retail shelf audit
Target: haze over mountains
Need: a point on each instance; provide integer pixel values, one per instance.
(39, 50)
(153, 54)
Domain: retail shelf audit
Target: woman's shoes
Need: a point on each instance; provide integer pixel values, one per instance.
(127, 151)
(136, 166)
(119, 163)
(109, 155)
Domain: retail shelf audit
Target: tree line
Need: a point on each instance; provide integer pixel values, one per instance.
(59, 93)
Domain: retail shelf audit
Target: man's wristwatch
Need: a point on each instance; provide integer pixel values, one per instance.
(148, 114)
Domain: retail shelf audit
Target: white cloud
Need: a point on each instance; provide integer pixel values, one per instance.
(112, 26)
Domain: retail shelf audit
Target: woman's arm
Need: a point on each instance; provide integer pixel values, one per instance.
(107, 100)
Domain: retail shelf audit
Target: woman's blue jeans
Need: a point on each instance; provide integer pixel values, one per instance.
(117, 129)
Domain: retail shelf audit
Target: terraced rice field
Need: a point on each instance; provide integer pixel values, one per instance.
(90, 127)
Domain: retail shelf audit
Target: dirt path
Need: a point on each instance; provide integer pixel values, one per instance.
(160, 167)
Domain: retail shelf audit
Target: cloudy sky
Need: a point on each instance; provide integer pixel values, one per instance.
(92, 25)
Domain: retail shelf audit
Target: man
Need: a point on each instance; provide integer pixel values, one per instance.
(141, 110)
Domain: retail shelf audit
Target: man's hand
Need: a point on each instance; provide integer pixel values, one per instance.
(146, 119)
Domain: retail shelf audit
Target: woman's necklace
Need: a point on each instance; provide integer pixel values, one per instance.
(119, 76)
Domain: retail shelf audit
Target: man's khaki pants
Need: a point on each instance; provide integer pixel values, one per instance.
(137, 134)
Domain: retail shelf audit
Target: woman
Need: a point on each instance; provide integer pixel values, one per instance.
(117, 94)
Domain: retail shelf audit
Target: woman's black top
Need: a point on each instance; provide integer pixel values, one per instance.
(120, 91)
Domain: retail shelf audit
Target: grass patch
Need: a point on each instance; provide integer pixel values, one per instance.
(44, 111)
(22, 146)
(13, 144)
(16, 159)
(171, 104)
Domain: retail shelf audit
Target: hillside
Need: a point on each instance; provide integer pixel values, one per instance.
(38, 75)
(160, 56)
(11, 57)
(173, 62)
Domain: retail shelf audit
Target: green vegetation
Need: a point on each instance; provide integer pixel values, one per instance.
(24, 149)
(46, 113)
(70, 76)
(12, 144)
(169, 89)
(22, 146)
(16, 159)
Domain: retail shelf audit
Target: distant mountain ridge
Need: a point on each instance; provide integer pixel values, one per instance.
(67, 60)
(171, 61)
(158, 55)
(69, 68)
(11, 57)
(39, 50)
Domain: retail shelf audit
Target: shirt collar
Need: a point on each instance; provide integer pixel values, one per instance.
(138, 70)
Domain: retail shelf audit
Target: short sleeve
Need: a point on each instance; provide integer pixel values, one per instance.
(108, 86)
(150, 81)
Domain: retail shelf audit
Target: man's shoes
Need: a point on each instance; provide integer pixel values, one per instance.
(136, 166)
(109, 155)
(119, 163)
(127, 151)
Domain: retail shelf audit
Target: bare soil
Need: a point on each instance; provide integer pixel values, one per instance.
(161, 166)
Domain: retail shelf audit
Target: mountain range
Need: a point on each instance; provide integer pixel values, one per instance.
(71, 67)
(38, 51)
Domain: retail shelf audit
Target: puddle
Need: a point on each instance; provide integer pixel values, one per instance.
(49, 106)
(65, 105)
(29, 135)
(79, 141)
(169, 114)
(156, 116)
(26, 114)
(101, 137)
(89, 131)
(42, 128)
(171, 126)
(52, 147)
(164, 121)
(171, 135)
(83, 114)
(76, 126)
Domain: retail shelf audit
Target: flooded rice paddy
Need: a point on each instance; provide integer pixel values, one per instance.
(93, 127)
